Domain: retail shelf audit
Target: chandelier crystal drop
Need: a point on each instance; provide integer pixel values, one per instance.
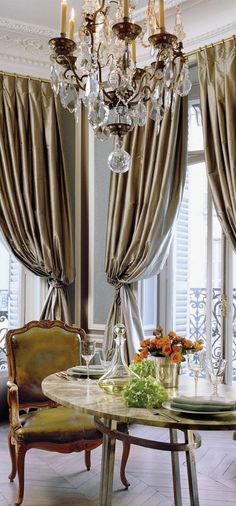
(100, 69)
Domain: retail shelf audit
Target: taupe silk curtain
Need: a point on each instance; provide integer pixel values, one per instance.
(35, 214)
(143, 204)
(217, 76)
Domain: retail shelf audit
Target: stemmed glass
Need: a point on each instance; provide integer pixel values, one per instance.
(106, 357)
(216, 368)
(196, 364)
(87, 353)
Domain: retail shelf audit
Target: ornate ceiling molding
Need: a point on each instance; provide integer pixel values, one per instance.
(32, 64)
(26, 44)
(11, 24)
(211, 36)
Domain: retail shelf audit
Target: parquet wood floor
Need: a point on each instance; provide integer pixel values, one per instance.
(61, 480)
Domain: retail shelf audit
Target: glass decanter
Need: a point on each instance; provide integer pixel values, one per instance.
(118, 374)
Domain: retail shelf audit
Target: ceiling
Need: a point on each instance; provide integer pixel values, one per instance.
(26, 27)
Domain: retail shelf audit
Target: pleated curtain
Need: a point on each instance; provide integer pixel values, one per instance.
(217, 77)
(143, 205)
(35, 211)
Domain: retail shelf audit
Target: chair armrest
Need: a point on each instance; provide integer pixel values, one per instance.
(13, 402)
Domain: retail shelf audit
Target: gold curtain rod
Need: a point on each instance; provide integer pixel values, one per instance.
(13, 74)
(199, 49)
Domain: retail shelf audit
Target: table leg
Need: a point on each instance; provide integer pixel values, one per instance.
(175, 469)
(108, 459)
(191, 468)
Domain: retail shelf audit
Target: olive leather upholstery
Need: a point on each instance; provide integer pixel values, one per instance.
(50, 424)
(35, 351)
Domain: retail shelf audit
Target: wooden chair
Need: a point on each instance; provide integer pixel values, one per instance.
(34, 351)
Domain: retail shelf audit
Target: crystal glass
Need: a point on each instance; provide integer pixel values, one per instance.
(196, 364)
(106, 357)
(87, 353)
(118, 374)
(216, 368)
(119, 160)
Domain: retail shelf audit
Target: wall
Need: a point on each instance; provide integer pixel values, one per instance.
(69, 146)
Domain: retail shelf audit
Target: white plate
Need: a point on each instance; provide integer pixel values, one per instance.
(167, 405)
(81, 370)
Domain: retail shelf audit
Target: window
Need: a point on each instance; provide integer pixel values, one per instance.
(21, 296)
(203, 263)
(195, 293)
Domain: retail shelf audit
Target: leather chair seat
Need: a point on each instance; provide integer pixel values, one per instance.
(59, 425)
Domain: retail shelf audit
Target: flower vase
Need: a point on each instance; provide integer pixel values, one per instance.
(167, 372)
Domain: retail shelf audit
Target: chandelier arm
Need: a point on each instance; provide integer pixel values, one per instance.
(99, 70)
(100, 9)
(107, 96)
(75, 75)
(140, 85)
(146, 87)
(78, 80)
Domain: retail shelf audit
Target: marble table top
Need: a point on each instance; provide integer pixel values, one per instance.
(93, 400)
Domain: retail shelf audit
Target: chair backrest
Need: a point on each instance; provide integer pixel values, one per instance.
(38, 349)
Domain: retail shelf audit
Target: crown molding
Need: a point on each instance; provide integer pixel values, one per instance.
(20, 27)
(26, 45)
(211, 36)
(25, 61)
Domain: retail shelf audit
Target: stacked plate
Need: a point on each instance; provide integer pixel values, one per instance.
(201, 405)
(95, 371)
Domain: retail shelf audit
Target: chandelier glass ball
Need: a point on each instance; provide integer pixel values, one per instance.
(100, 69)
(119, 160)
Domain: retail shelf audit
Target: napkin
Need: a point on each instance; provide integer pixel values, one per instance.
(202, 404)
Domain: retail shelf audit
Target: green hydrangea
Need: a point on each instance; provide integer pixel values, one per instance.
(144, 393)
(144, 368)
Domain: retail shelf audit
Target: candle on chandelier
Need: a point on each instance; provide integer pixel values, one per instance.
(63, 16)
(133, 51)
(126, 8)
(72, 24)
(161, 15)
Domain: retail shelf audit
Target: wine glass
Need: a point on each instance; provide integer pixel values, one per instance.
(106, 357)
(196, 361)
(87, 353)
(216, 368)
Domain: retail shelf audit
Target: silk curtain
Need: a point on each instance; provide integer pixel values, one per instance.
(217, 75)
(143, 204)
(35, 213)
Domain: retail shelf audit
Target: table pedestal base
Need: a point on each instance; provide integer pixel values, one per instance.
(192, 441)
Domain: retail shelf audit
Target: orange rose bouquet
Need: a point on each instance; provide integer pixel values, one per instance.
(171, 345)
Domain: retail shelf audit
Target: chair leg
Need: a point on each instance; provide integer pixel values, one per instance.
(125, 455)
(21, 451)
(12, 451)
(87, 455)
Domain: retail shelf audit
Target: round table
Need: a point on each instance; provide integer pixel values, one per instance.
(109, 409)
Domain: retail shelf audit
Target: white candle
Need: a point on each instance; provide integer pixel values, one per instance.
(72, 25)
(126, 8)
(133, 51)
(161, 14)
(63, 15)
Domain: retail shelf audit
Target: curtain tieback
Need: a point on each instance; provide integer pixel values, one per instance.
(117, 284)
(55, 283)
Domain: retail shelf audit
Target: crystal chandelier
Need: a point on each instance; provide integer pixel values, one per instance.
(100, 70)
